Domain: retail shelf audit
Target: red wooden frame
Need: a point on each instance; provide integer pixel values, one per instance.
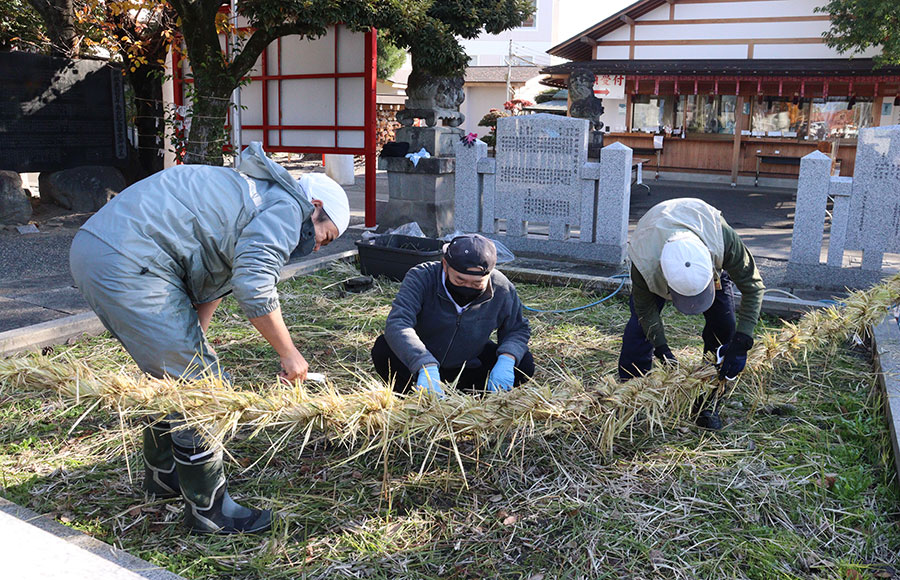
(369, 110)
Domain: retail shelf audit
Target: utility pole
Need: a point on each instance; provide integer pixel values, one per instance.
(509, 72)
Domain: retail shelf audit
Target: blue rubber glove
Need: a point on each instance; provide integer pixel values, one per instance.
(429, 380)
(732, 357)
(502, 376)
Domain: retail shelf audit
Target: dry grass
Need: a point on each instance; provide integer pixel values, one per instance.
(575, 476)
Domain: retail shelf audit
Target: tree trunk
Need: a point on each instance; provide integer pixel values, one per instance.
(147, 84)
(207, 136)
(211, 90)
(59, 18)
(215, 78)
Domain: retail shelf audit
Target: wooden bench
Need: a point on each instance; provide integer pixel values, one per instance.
(774, 160)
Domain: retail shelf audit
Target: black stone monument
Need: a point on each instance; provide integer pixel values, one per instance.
(57, 113)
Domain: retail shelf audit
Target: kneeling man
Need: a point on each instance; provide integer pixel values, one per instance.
(440, 325)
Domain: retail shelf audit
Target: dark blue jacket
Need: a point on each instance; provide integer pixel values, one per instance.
(424, 327)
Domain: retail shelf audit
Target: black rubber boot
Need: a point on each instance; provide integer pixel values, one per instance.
(706, 411)
(160, 477)
(208, 507)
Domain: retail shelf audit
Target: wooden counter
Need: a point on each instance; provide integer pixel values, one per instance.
(715, 153)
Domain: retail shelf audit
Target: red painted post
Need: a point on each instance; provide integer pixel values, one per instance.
(370, 123)
(265, 98)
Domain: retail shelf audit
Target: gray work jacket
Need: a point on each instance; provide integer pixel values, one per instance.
(210, 229)
(424, 326)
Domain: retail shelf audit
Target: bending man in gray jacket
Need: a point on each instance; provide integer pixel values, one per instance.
(441, 322)
(155, 262)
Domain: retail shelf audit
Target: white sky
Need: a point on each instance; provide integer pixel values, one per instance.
(578, 15)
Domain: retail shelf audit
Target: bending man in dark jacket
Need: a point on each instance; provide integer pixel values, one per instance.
(439, 329)
(683, 250)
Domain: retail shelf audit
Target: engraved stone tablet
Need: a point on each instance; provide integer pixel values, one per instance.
(57, 113)
(539, 159)
(875, 200)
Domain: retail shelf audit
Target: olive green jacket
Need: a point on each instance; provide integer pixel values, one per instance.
(741, 268)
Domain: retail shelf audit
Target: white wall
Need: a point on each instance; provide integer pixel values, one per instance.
(747, 9)
(613, 115)
(719, 31)
(712, 51)
(479, 100)
(708, 21)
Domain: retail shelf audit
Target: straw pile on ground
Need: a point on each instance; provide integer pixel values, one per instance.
(370, 413)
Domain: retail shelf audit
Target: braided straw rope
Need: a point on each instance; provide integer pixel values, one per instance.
(370, 412)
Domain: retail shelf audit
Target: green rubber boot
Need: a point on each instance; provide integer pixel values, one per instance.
(209, 508)
(160, 477)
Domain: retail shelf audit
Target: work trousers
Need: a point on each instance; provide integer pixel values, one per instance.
(151, 315)
(473, 377)
(636, 356)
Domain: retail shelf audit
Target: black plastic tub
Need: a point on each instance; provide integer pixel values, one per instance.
(393, 255)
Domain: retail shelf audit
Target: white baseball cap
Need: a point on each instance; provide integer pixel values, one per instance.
(688, 270)
(333, 197)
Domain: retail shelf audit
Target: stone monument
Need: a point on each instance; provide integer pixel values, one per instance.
(540, 194)
(422, 192)
(875, 201)
(865, 215)
(59, 113)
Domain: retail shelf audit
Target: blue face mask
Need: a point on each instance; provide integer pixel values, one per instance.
(307, 239)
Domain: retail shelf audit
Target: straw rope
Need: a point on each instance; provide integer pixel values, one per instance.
(370, 412)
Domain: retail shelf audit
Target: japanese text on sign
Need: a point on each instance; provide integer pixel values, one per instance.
(609, 86)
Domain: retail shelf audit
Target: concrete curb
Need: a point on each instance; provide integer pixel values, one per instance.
(49, 333)
(62, 330)
(777, 306)
(36, 546)
(886, 353)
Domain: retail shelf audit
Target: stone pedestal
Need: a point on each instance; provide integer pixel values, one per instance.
(422, 193)
(438, 141)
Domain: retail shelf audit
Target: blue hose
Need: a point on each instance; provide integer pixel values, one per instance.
(622, 277)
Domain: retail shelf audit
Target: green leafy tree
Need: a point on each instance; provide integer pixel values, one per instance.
(21, 27)
(857, 25)
(433, 40)
(139, 32)
(428, 28)
(390, 58)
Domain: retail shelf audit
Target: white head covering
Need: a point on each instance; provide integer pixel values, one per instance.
(333, 197)
(255, 163)
(687, 267)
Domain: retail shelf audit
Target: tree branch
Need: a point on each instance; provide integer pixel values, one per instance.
(244, 60)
